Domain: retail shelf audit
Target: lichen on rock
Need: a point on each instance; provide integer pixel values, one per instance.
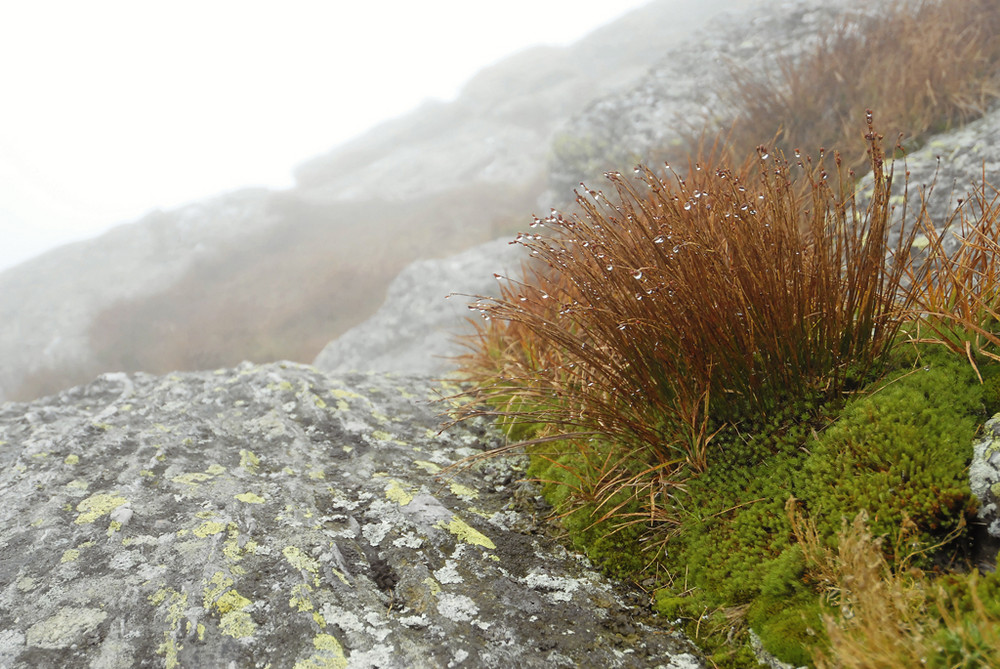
(252, 516)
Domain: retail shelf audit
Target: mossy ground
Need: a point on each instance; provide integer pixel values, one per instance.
(728, 558)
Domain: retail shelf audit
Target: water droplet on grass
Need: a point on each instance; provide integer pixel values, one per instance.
(637, 274)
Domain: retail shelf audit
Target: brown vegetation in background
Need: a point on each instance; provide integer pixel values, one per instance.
(284, 293)
(925, 67)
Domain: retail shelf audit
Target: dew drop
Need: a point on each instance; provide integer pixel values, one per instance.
(659, 239)
(610, 267)
(637, 274)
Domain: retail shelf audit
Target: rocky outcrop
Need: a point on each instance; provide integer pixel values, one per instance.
(414, 331)
(274, 515)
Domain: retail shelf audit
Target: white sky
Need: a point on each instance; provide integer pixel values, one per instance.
(111, 108)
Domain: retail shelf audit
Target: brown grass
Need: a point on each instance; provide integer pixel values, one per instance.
(924, 66)
(716, 294)
(957, 297)
(891, 617)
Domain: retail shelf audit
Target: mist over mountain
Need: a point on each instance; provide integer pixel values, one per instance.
(261, 275)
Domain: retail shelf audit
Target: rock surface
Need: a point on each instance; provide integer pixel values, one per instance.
(984, 477)
(277, 516)
(414, 331)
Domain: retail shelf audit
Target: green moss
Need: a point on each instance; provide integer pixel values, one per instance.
(900, 451)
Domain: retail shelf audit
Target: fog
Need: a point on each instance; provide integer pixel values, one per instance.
(116, 108)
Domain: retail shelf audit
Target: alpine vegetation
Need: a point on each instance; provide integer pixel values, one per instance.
(728, 377)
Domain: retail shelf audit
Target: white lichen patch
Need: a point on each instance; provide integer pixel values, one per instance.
(408, 540)
(376, 532)
(345, 620)
(558, 588)
(66, 628)
(448, 573)
(457, 607)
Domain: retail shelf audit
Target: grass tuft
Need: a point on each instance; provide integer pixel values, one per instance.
(681, 305)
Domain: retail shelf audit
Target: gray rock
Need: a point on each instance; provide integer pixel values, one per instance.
(276, 516)
(943, 173)
(414, 330)
(984, 476)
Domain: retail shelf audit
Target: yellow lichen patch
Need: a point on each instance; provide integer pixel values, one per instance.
(237, 624)
(249, 461)
(234, 621)
(463, 491)
(479, 512)
(250, 498)
(176, 612)
(432, 585)
(319, 402)
(218, 584)
(382, 435)
(69, 555)
(396, 493)
(148, 473)
(78, 485)
(72, 459)
(302, 562)
(205, 515)
(300, 598)
(428, 467)
(339, 394)
(465, 533)
(231, 601)
(316, 474)
(380, 417)
(330, 654)
(192, 479)
(208, 528)
(96, 506)
(195, 478)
